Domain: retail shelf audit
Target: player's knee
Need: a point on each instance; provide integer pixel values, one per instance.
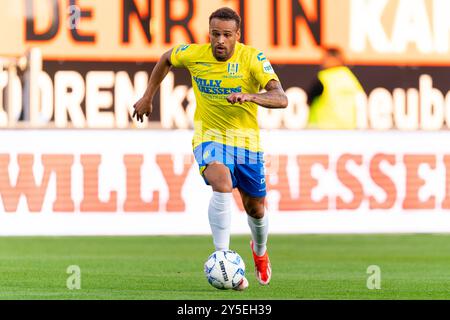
(222, 186)
(255, 211)
(220, 181)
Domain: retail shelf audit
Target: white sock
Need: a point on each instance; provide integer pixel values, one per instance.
(260, 232)
(219, 214)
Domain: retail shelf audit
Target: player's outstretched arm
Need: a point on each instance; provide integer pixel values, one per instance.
(273, 98)
(144, 105)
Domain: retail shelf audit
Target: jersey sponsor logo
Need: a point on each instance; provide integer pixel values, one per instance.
(237, 76)
(267, 67)
(233, 68)
(261, 56)
(214, 87)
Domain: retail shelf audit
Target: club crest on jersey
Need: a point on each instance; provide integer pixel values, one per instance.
(233, 68)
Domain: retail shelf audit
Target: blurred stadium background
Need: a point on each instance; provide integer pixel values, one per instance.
(73, 162)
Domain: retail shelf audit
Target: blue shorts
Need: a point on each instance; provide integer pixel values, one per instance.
(246, 167)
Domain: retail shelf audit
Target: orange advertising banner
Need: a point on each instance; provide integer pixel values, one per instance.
(378, 32)
(85, 182)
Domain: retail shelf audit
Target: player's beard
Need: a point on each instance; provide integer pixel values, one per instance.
(221, 55)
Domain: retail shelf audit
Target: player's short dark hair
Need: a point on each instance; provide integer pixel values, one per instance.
(226, 14)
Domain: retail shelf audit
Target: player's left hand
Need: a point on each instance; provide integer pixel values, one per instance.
(239, 97)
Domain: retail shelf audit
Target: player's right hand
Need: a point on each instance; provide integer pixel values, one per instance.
(142, 107)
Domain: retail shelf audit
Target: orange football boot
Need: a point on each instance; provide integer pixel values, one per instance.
(263, 271)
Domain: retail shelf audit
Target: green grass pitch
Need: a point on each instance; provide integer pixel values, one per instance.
(171, 267)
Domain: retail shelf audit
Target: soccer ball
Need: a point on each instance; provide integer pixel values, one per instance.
(224, 269)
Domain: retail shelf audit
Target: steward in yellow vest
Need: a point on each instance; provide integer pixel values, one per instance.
(332, 98)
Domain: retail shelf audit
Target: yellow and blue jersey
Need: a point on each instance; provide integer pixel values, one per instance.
(215, 119)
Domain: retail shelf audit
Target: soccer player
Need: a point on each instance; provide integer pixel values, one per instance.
(227, 77)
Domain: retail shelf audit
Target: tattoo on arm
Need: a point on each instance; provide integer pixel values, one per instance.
(274, 97)
(273, 85)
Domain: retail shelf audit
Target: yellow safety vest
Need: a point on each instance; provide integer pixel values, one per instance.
(336, 107)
